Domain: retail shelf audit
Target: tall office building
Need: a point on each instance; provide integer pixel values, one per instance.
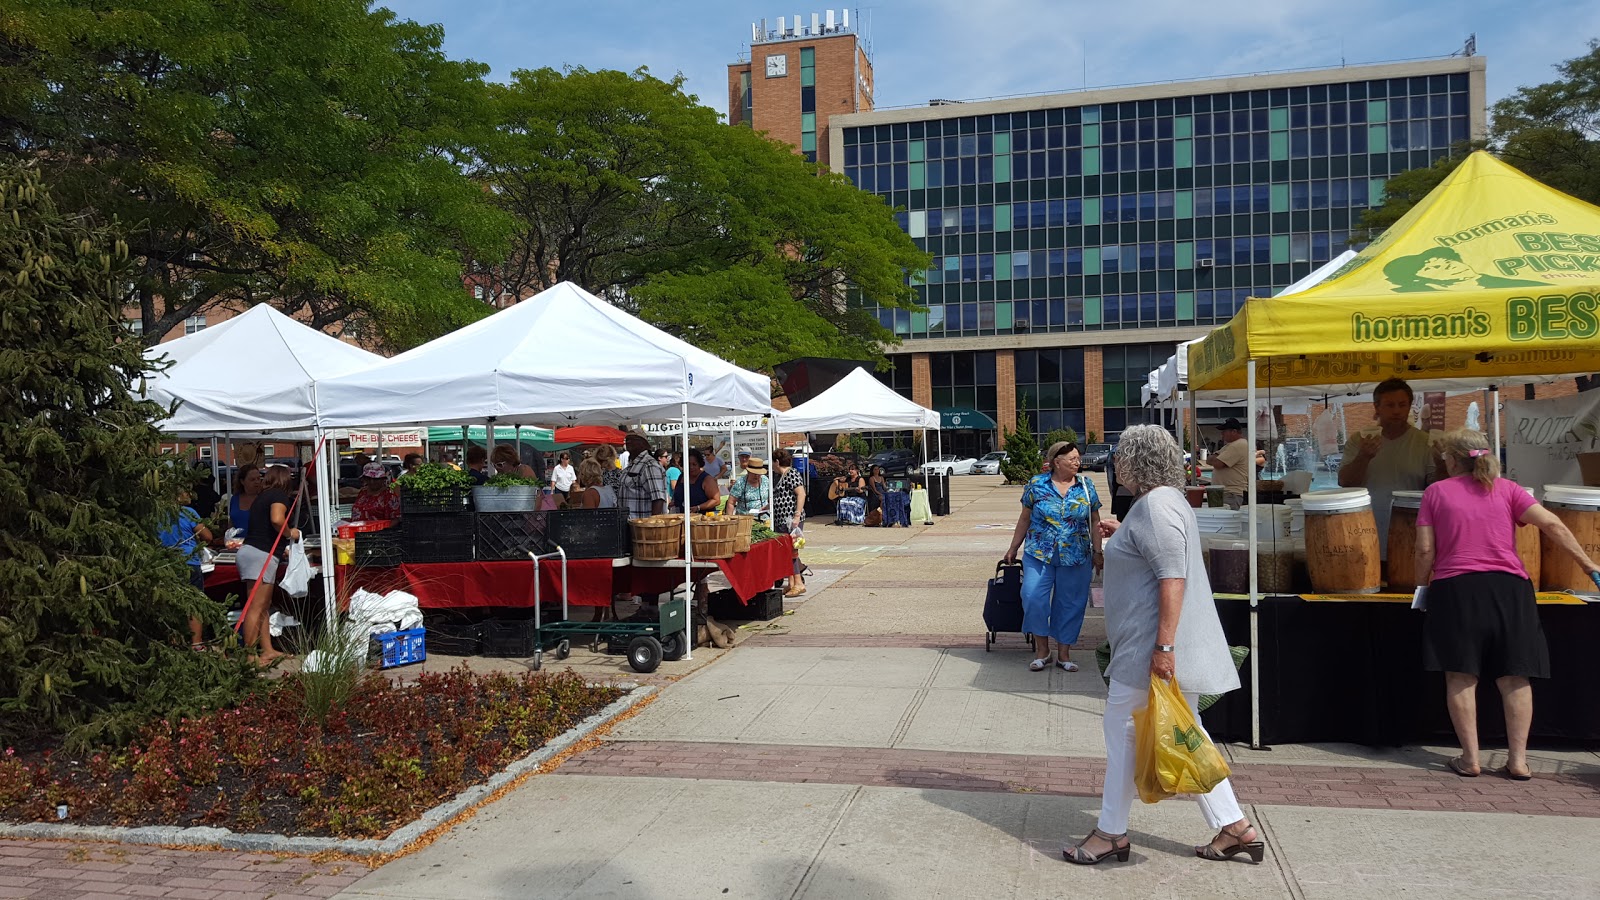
(799, 75)
(1077, 237)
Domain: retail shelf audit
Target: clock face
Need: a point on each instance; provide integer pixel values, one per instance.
(777, 65)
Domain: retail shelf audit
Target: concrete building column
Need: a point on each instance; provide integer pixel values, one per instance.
(1094, 394)
(921, 380)
(1005, 382)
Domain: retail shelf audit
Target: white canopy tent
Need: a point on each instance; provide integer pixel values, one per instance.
(859, 402)
(561, 357)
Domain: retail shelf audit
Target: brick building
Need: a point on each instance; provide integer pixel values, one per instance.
(798, 75)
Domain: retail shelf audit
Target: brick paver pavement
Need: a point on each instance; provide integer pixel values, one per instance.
(1353, 787)
(57, 870)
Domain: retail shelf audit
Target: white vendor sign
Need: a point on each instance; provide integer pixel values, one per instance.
(1546, 436)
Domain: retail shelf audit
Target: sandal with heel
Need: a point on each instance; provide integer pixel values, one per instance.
(1256, 849)
(1079, 856)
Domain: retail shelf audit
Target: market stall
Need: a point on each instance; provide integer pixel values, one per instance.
(562, 358)
(1481, 284)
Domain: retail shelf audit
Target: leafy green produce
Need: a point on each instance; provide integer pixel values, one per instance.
(760, 532)
(512, 479)
(434, 477)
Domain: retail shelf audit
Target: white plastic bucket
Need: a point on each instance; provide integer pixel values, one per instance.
(1335, 501)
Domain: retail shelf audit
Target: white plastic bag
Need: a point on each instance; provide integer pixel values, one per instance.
(296, 579)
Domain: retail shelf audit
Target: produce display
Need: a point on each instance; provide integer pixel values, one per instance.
(760, 532)
(431, 477)
(512, 479)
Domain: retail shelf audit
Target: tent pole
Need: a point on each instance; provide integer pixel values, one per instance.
(326, 495)
(216, 471)
(1494, 404)
(1194, 431)
(688, 547)
(488, 441)
(1255, 597)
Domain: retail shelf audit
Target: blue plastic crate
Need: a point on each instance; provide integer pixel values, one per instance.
(402, 648)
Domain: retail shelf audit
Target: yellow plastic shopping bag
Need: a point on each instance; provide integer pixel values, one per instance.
(1173, 756)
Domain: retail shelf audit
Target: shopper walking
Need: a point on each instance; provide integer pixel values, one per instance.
(1058, 532)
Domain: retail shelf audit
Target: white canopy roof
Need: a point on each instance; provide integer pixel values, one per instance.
(859, 402)
(562, 357)
(1319, 274)
(255, 373)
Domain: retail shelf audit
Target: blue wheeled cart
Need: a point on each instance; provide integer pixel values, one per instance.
(646, 643)
(1002, 604)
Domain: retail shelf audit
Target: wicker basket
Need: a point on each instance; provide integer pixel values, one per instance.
(714, 538)
(657, 537)
(741, 534)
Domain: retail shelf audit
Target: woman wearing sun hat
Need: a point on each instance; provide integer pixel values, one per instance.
(752, 494)
(377, 500)
(1060, 522)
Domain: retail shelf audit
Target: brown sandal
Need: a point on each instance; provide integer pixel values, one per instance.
(1256, 849)
(1079, 856)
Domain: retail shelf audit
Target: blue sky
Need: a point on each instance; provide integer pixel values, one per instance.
(964, 50)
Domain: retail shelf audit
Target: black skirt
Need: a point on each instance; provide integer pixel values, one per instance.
(1484, 624)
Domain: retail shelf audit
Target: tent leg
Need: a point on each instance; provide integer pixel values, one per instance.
(216, 471)
(326, 495)
(688, 548)
(1255, 596)
(1494, 404)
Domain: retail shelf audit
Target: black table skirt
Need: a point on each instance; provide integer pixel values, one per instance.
(1353, 672)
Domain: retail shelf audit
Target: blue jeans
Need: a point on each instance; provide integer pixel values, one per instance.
(1054, 599)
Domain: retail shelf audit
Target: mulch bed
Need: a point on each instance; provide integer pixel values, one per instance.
(378, 762)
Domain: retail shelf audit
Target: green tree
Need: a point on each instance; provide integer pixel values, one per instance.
(1022, 450)
(306, 155)
(624, 184)
(1550, 131)
(1060, 434)
(93, 610)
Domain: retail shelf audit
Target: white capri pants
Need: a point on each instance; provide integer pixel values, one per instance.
(1219, 807)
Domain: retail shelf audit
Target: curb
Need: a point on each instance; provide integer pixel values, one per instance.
(200, 837)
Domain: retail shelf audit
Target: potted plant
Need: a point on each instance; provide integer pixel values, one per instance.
(507, 492)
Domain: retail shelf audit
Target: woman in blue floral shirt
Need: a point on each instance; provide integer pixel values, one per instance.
(1061, 522)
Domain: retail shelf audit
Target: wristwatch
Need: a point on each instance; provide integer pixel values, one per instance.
(1165, 648)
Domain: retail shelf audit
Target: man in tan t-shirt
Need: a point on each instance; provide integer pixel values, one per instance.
(1228, 464)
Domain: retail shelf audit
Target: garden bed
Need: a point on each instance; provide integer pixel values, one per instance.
(380, 760)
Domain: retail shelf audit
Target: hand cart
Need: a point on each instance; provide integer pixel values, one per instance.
(648, 643)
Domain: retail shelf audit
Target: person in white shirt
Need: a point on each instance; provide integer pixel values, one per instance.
(1397, 457)
(563, 476)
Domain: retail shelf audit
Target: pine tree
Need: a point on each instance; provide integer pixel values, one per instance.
(1022, 451)
(93, 610)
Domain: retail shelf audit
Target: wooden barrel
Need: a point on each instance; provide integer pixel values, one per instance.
(1528, 540)
(1402, 552)
(1579, 509)
(1342, 542)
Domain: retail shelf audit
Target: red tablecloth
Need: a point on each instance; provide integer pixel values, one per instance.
(223, 575)
(590, 582)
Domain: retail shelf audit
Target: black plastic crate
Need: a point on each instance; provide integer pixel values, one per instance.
(509, 638)
(511, 535)
(763, 607)
(590, 533)
(456, 500)
(378, 548)
(437, 538)
(467, 641)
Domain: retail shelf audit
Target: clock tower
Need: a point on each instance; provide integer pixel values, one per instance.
(797, 75)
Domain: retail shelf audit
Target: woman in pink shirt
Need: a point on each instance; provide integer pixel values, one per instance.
(1482, 621)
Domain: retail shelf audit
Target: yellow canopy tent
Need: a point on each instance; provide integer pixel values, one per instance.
(1493, 278)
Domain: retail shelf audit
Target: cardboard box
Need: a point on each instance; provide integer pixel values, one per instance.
(1589, 465)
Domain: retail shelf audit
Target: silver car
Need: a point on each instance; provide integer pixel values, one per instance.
(989, 463)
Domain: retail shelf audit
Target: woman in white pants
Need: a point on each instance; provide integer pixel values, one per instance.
(1161, 620)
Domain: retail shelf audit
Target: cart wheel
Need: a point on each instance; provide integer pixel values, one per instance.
(988, 641)
(563, 649)
(672, 647)
(538, 660)
(644, 654)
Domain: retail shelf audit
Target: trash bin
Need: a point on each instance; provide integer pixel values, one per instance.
(939, 493)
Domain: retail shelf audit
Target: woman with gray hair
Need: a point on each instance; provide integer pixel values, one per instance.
(1162, 622)
(1482, 619)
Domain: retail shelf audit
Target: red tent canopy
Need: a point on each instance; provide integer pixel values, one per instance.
(589, 434)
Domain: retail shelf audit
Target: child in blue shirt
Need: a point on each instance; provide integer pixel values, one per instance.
(187, 535)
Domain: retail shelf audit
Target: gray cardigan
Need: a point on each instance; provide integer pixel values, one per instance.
(1159, 539)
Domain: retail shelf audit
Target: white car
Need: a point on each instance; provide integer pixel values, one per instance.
(989, 464)
(950, 465)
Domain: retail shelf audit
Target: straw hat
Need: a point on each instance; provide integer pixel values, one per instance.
(756, 466)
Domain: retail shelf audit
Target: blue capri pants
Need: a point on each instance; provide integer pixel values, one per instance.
(1054, 599)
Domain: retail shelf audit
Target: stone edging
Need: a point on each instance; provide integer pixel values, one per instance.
(225, 839)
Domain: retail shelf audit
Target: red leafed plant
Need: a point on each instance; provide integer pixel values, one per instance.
(373, 763)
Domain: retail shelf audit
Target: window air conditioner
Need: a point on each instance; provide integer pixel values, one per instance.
(1203, 262)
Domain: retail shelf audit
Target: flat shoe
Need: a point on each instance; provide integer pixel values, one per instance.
(1067, 665)
(1505, 772)
(1459, 768)
(1038, 665)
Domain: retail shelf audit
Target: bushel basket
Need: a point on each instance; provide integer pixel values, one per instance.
(657, 537)
(742, 534)
(713, 538)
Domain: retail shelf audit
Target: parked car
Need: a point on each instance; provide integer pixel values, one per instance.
(1094, 457)
(894, 462)
(950, 465)
(1333, 461)
(989, 464)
